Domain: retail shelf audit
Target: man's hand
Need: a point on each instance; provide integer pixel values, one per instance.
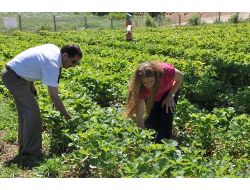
(33, 89)
(53, 91)
(68, 118)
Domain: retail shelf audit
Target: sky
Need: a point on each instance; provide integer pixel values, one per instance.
(125, 6)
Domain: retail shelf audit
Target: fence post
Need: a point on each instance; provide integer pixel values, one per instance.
(85, 22)
(111, 23)
(219, 17)
(20, 22)
(179, 19)
(159, 20)
(54, 20)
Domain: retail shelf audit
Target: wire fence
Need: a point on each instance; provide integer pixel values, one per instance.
(79, 21)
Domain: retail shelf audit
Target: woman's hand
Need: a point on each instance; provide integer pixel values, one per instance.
(139, 114)
(169, 103)
(169, 100)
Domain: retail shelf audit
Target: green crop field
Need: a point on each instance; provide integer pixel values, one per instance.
(211, 124)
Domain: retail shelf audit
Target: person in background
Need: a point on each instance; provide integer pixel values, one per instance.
(128, 26)
(155, 84)
(43, 63)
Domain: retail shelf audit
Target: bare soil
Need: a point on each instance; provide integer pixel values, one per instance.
(7, 150)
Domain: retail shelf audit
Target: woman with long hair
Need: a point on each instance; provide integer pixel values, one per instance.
(155, 84)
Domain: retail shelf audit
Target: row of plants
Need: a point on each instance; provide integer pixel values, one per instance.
(101, 143)
(211, 126)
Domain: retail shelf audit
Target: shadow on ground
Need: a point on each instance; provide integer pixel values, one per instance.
(25, 162)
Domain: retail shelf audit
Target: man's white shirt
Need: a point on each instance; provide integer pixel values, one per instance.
(38, 63)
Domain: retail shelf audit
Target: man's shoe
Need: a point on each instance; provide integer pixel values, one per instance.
(30, 161)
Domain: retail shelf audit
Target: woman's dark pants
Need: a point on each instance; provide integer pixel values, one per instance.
(161, 121)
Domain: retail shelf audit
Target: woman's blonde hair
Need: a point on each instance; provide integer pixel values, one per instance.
(145, 69)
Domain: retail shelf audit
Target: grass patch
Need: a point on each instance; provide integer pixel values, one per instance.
(8, 118)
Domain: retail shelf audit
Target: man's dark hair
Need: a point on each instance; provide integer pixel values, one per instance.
(72, 50)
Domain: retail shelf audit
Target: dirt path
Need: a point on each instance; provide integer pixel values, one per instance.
(7, 151)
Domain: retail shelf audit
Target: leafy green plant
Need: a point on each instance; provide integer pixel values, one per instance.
(51, 168)
(117, 15)
(217, 21)
(234, 18)
(150, 22)
(241, 99)
(210, 124)
(45, 27)
(194, 20)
